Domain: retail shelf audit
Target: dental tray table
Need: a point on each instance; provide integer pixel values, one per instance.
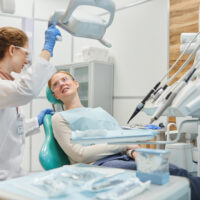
(126, 136)
(74, 182)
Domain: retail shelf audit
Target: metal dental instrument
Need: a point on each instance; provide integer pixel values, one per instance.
(154, 90)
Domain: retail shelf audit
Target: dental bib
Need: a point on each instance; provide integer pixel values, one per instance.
(83, 119)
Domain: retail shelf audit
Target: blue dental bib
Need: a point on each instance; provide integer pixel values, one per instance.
(82, 119)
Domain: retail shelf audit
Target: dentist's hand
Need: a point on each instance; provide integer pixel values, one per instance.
(43, 113)
(50, 38)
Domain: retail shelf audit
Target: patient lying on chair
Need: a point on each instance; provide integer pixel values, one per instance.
(65, 88)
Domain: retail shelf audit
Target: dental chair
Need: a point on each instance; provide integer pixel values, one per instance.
(51, 155)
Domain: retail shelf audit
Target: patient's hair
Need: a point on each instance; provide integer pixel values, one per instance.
(11, 36)
(63, 72)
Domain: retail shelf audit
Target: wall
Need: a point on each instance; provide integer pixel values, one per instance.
(184, 18)
(139, 36)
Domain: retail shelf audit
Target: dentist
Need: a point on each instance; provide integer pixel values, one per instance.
(14, 93)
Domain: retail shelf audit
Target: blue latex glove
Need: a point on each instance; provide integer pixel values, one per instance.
(43, 113)
(151, 126)
(50, 38)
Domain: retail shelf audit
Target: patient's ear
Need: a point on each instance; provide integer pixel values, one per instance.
(77, 84)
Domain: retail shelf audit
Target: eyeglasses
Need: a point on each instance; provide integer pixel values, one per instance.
(27, 52)
(58, 83)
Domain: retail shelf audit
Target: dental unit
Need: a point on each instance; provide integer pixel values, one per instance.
(155, 93)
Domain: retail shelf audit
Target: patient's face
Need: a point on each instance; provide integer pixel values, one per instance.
(63, 86)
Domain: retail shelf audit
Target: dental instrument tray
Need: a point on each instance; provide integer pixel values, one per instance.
(81, 181)
(132, 135)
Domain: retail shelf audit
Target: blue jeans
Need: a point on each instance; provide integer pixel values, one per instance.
(122, 161)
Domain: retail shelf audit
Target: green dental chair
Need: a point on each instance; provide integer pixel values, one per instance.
(51, 155)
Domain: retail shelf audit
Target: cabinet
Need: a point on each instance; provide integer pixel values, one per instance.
(95, 83)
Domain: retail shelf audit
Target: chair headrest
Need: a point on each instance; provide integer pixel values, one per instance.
(51, 98)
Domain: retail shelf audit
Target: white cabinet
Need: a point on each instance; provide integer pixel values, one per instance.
(95, 83)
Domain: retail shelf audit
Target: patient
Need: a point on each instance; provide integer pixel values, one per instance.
(65, 88)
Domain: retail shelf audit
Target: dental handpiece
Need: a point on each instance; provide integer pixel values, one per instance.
(170, 97)
(161, 90)
(142, 103)
(162, 108)
(158, 92)
(154, 91)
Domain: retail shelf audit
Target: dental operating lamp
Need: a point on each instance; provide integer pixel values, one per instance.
(82, 24)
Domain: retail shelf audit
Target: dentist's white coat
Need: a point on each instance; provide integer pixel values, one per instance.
(14, 94)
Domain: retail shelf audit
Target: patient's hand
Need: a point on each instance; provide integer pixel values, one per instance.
(130, 150)
(132, 147)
